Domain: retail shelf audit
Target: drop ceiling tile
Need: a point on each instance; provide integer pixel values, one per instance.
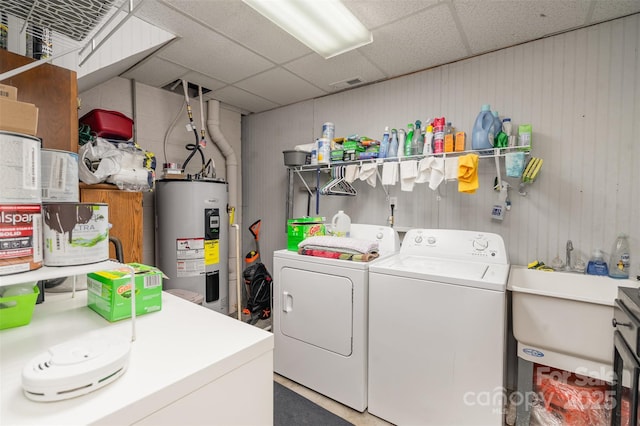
(605, 10)
(280, 86)
(432, 40)
(323, 72)
(156, 72)
(490, 25)
(215, 56)
(256, 32)
(241, 99)
(385, 11)
(203, 80)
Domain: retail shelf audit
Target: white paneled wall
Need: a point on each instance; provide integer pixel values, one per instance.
(579, 90)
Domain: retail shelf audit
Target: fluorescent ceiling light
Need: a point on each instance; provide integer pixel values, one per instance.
(325, 26)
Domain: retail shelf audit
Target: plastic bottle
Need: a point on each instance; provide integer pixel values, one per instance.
(341, 224)
(384, 145)
(597, 265)
(409, 140)
(393, 145)
(323, 151)
(448, 137)
(438, 135)
(620, 260)
(428, 141)
(417, 142)
(482, 127)
(401, 142)
(497, 126)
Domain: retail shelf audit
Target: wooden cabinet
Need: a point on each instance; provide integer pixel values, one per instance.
(125, 216)
(54, 90)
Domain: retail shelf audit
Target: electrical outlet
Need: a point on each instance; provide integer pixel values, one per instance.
(394, 201)
(497, 212)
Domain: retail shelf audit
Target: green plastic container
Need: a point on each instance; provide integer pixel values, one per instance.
(16, 311)
(300, 228)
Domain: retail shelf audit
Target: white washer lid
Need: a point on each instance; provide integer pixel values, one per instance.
(470, 274)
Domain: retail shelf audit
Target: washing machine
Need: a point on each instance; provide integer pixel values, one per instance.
(437, 321)
(320, 318)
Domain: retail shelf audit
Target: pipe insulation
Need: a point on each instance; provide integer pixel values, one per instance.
(234, 180)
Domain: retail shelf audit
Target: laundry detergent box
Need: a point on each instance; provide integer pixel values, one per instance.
(300, 228)
(109, 292)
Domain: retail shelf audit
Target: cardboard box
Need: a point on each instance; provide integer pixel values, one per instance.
(301, 228)
(18, 117)
(109, 292)
(8, 92)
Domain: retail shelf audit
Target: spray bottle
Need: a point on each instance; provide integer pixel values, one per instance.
(408, 140)
(393, 146)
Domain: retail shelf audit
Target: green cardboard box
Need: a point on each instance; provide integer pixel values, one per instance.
(109, 292)
(300, 228)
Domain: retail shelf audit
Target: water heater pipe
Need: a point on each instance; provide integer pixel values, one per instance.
(233, 178)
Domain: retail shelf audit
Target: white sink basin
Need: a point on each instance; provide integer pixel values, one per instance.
(563, 319)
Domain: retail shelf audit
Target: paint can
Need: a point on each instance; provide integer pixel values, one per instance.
(59, 176)
(19, 169)
(20, 238)
(75, 233)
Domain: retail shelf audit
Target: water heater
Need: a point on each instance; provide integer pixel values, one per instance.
(192, 238)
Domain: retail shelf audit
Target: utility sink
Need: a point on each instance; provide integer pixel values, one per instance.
(563, 319)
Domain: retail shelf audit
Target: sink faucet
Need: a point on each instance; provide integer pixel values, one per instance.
(569, 250)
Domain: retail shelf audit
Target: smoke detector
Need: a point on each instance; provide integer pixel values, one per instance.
(350, 82)
(76, 367)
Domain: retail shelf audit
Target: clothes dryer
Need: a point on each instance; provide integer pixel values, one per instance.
(437, 330)
(320, 318)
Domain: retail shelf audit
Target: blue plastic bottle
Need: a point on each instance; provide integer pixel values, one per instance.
(393, 146)
(384, 145)
(483, 126)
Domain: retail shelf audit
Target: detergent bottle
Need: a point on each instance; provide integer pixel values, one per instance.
(393, 145)
(409, 140)
(384, 145)
(341, 224)
(483, 127)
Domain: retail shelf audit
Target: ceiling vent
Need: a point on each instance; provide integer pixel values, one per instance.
(176, 87)
(350, 82)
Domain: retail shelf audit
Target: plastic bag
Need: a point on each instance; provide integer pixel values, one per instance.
(98, 160)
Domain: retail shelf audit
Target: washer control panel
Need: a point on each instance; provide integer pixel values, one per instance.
(455, 244)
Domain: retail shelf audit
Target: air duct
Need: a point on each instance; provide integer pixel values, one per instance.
(233, 178)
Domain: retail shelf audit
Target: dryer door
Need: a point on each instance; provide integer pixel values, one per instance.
(317, 308)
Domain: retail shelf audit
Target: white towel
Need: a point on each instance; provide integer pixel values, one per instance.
(424, 170)
(451, 168)
(389, 173)
(368, 172)
(408, 174)
(351, 173)
(437, 173)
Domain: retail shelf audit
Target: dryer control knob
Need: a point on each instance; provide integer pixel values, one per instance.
(431, 240)
(418, 239)
(379, 235)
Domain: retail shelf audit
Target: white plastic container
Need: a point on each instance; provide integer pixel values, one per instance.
(620, 258)
(341, 224)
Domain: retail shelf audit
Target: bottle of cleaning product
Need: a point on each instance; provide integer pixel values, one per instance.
(448, 137)
(597, 265)
(341, 224)
(409, 140)
(393, 145)
(482, 127)
(402, 140)
(620, 258)
(417, 142)
(438, 135)
(384, 145)
(428, 141)
(497, 126)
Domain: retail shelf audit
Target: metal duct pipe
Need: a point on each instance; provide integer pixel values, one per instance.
(233, 179)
